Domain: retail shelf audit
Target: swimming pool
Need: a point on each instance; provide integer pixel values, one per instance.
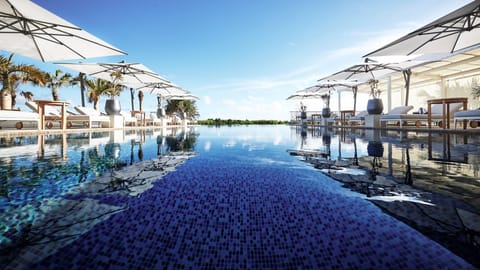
(241, 202)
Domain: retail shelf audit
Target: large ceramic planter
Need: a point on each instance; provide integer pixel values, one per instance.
(375, 106)
(112, 107)
(303, 115)
(375, 149)
(326, 112)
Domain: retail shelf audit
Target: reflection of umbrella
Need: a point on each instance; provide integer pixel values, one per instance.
(453, 32)
(32, 31)
(133, 74)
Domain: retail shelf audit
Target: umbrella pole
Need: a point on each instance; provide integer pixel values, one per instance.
(406, 76)
(140, 99)
(354, 89)
(132, 99)
(82, 87)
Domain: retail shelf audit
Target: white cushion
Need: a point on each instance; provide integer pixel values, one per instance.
(468, 113)
(87, 111)
(18, 115)
(401, 110)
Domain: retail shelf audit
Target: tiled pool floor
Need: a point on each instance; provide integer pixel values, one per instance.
(209, 217)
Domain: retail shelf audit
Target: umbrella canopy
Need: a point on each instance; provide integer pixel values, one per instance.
(353, 85)
(181, 97)
(362, 73)
(30, 30)
(305, 95)
(134, 75)
(451, 33)
(162, 88)
(367, 71)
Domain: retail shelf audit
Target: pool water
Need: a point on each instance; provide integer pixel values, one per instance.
(242, 202)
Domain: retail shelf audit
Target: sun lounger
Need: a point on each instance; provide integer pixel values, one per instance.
(469, 115)
(402, 119)
(88, 116)
(85, 116)
(17, 118)
(153, 120)
(358, 119)
(128, 119)
(395, 115)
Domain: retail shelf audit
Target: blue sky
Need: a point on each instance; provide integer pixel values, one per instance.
(242, 58)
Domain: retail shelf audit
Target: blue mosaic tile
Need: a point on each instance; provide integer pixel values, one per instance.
(250, 216)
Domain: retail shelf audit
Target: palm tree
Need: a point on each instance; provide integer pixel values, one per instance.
(187, 107)
(95, 89)
(12, 74)
(80, 79)
(57, 80)
(115, 87)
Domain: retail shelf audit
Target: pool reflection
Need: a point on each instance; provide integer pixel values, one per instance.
(50, 192)
(427, 180)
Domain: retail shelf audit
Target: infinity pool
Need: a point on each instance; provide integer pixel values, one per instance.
(238, 200)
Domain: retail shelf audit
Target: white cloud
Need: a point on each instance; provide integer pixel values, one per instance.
(207, 100)
(229, 102)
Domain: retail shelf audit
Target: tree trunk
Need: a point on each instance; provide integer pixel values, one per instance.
(55, 94)
(6, 99)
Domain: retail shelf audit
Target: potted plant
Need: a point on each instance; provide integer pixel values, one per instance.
(112, 105)
(326, 102)
(375, 104)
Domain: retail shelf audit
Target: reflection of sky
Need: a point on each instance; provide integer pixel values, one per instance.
(252, 138)
(400, 198)
(208, 145)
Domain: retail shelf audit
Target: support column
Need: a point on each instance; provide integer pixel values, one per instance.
(389, 94)
(443, 88)
(339, 101)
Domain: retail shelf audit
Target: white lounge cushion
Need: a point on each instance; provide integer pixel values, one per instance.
(400, 110)
(18, 115)
(467, 113)
(87, 111)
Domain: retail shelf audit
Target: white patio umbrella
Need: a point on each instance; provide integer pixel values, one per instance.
(332, 85)
(134, 75)
(181, 97)
(370, 70)
(304, 95)
(32, 31)
(456, 31)
(162, 88)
